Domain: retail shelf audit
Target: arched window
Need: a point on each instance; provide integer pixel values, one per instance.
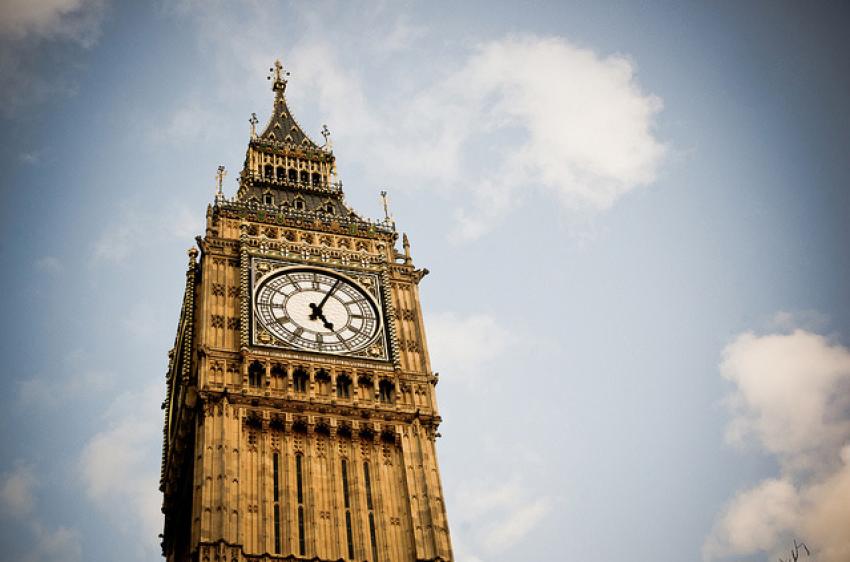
(366, 390)
(317, 178)
(323, 379)
(255, 373)
(278, 370)
(343, 386)
(347, 500)
(269, 171)
(305, 176)
(276, 463)
(299, 379)
(299, 489)
(280, 173)
(293, 174)
(370, 506)
(386, 391)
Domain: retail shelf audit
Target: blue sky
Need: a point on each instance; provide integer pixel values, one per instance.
(635, 215)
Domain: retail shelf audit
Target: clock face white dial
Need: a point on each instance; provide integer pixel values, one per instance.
(316, 310)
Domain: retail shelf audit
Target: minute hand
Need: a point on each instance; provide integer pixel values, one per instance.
(317, 309)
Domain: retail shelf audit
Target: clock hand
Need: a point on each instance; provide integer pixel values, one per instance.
(317, 308)
(325, 323)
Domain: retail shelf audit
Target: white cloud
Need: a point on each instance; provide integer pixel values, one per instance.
(792, 395)
(518, 121)
(466, 345)
(49, 264)
(17, 500)
(54, 545)
(120, 469)
(792, 400)
(494, 517)
(521, 114)
(77, 20)
(192, 122)
(41, 391)
(30, 157)
(16, 491)
(136, 229)
(25, 26)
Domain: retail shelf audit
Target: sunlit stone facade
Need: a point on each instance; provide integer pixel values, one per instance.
(300, 413)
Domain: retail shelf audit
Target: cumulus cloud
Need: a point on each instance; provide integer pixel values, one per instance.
(520, 114)
(17, 500)
(49, 264)
(466, 344)
(487, 126)
(48, 392)
(16, 491)
(78, 20)
(192, 122)
(54, 545)
(24, 27)
(119, 465)
(135, 229)
(791, 399)
(494, 517)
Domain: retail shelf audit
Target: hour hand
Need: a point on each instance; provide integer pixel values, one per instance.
(318, 315)
(316, 311)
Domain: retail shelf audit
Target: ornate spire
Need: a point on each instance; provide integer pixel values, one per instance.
(282, 126)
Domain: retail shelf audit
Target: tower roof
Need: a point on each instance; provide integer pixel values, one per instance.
(282, 127)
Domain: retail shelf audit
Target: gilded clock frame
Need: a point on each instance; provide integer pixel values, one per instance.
(260, 268)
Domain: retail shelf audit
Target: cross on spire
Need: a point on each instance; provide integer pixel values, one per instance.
(279, 75)
(253, 121)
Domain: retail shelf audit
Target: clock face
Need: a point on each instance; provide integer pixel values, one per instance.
(316, 310)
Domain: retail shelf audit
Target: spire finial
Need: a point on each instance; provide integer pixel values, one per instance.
(253, 121)
(279, 75)
(328, 146)
(219, 179)
(405, 243)
(386, 206)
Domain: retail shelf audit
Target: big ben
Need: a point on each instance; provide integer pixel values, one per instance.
(300, 416)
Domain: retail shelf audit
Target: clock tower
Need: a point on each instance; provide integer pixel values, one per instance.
(300, 412)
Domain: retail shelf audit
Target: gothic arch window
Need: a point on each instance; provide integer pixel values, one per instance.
(278, 370)
(386, 391)
(276, 498)
(280, 173)
(317, 179)
(293, 174)
(299, 380)
(268, 171)
(343, 386)
(299, 491)
(255, 373)
(367, 391)
(305, 176)
(323, 378)
(367, 481)
(347, 503)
